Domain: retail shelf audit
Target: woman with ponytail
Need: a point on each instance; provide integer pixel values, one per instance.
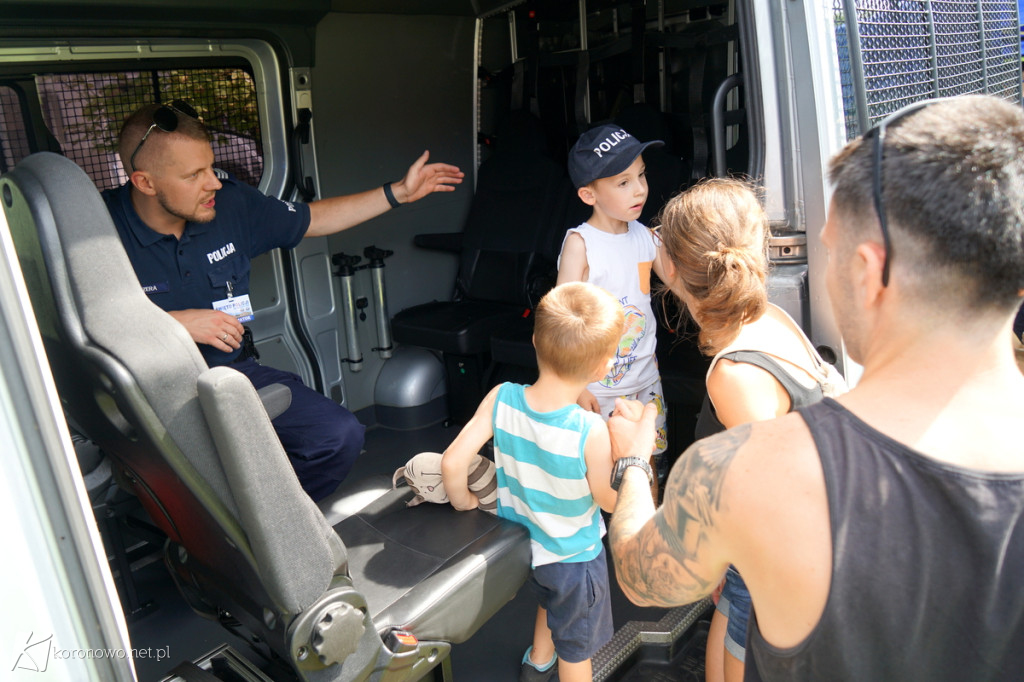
(715, 237)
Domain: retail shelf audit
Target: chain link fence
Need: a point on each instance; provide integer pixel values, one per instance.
(895, 52)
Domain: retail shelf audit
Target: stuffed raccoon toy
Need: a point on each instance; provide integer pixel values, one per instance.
(423, 474)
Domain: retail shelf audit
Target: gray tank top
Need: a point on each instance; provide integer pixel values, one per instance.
(799, 395)
(927, 567)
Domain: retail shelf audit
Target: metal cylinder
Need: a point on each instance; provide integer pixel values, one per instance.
(380, 309)
(355, 355)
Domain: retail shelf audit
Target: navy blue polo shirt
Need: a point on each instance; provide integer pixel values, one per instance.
(194, 271)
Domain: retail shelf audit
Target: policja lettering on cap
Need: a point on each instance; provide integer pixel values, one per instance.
(605, 151)
(610, 141)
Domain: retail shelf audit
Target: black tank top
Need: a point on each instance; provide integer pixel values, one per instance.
(928, 567)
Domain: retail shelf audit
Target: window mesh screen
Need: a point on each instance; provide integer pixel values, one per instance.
(84, 112)
(14, 141)
(976, 49)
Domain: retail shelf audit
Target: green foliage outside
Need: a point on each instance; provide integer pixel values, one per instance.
(225, 99)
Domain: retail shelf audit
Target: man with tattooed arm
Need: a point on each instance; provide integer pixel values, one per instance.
(881, 534)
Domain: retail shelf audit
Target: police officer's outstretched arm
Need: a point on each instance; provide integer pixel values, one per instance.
(334, 214)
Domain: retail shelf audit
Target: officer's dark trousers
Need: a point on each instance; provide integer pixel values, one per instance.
(321, 437)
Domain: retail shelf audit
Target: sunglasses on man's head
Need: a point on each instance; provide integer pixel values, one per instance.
(878, 150)
(166, 119)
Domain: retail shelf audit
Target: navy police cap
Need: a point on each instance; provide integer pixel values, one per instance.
(605, 151)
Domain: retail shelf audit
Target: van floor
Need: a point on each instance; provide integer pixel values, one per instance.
(493, 654)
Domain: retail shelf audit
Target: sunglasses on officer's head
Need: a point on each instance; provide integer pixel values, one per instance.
(878, 150)
(166, 119)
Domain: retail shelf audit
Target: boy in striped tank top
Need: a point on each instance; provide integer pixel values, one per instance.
(553, 461)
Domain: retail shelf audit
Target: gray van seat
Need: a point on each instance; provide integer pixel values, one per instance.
(520, 198)
(352, 495)
(517, 212)
(196, 446)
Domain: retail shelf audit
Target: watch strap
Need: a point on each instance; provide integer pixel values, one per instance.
(620, 469)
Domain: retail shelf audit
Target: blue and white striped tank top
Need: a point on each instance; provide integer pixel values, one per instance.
(542, 477)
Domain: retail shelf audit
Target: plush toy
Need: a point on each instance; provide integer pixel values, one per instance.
(423, 474)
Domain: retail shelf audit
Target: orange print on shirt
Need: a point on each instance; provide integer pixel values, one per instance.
(644, 272)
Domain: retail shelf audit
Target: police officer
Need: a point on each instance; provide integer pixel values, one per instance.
(191, 231)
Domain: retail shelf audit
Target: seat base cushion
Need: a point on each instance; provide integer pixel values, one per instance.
(460, 327)
(513, 344)
(431, 570)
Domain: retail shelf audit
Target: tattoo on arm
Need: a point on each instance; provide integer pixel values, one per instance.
(660, 559)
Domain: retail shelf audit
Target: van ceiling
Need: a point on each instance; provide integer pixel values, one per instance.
(119, 12)
(239, 11)
(469, 8)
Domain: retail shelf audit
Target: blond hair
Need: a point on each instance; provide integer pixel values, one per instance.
(578, 325)
(136, 125)
(716, 235)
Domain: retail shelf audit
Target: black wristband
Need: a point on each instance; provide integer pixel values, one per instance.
(390, 196)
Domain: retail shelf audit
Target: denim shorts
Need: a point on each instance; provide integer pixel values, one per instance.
(578, 603)
(734, 604)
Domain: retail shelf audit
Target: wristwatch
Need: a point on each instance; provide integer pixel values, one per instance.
(626, 462)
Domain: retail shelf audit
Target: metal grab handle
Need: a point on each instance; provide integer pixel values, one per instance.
(718, 123)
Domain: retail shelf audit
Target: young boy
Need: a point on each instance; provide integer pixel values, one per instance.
(553, 471)
(614, 251)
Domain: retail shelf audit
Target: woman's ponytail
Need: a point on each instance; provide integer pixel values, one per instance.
(715, 234)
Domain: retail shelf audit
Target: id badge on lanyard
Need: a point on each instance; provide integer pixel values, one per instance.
(239, 306)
